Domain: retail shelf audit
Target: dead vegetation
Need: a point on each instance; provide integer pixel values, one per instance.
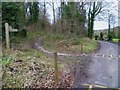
(24, 67)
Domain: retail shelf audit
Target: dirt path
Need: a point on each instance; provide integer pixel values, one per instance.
(37, 45)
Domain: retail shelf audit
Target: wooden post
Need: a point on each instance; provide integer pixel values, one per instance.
(81, 48)
(7, 30)
(7, 36)
(56, 67)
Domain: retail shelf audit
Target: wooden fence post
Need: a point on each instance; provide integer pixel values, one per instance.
(56, 67)
(81, 48)
(7, 36)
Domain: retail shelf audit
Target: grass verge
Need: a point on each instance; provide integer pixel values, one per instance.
(115, 40)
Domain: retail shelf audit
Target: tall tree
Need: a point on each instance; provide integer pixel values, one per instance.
(30, 11)
(22, 15)
(10, 13)
(94, 9)
(0, 21)
(73, 16)
(62, 18)
(44, 14)
(54, 18)
(111, 20)
(34, 11)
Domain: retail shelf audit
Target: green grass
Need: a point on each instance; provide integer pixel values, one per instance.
(59, 42)
(63, 43)
(71, 45)
(115, 40)
(6, 60)
(88, 45)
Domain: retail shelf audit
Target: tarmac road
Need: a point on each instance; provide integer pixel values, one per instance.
(103, 69)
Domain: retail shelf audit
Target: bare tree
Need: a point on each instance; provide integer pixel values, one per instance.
(44, 14)
(94, 9)
(53, 7)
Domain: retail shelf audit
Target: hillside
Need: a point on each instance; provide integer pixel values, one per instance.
(115, 29)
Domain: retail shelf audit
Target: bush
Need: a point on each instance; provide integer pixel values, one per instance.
(96, 37)
(6, 60)
(101, 36)
(23, 33)
(75, 41)
(110, 37)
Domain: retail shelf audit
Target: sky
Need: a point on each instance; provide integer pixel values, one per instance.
(98, 25)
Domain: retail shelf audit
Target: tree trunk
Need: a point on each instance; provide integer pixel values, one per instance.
(44, 15)
(53, 16)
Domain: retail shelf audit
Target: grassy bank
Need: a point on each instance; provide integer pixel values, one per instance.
(24, 66)
(29, 67)
(64, 43)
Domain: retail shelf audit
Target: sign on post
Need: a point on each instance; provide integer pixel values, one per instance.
(7, 30)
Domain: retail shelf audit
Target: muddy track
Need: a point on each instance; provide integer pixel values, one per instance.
(38, 45)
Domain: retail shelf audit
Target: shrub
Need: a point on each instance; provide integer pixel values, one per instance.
(6, 60)
(110, 37)
(101, 36)
(96, 37)
(23, 33)
(75, 41)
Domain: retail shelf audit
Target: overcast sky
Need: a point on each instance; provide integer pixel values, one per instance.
(98, 25)
(104, 24)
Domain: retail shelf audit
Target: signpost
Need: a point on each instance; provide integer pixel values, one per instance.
(7, 30)
(7, 35)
